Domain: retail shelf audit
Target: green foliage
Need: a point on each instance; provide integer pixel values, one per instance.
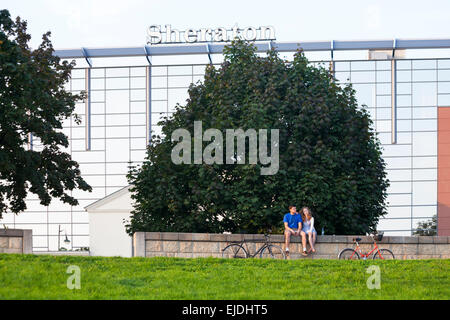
(45, 277)
(330, 158)
(33, 101)
(427, 228)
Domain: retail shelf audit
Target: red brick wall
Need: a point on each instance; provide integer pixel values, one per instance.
(444, 171)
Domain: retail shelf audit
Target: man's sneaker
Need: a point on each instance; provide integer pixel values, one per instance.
(304, 253)
(287, 253)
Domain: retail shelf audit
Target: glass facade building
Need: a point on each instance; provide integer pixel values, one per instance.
(129, 91)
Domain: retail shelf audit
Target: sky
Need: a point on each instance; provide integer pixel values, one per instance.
(111, 23)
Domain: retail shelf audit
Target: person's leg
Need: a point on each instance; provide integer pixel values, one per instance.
(287, 239)
(314, 235)
(311, 241)
(303, 235)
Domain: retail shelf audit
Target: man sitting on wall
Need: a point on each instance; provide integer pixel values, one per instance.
(293, 226)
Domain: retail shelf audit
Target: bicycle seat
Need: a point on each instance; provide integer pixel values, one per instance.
(357, 239)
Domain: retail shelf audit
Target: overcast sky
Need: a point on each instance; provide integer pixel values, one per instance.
(109, 23)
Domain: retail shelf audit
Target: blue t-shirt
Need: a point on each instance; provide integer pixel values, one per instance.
(293, 220)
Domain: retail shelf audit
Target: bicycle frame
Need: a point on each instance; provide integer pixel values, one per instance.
(366, 255)
(247, 251)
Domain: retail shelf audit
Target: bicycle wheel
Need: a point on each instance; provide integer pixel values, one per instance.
(272, 251)
(385, 254)
(235, 251)
(348, 254)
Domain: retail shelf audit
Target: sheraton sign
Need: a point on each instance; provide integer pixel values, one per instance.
(158, 35)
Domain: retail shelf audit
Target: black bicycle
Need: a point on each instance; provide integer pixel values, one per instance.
(236, 250)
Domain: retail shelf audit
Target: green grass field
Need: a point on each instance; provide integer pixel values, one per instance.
(45, 277)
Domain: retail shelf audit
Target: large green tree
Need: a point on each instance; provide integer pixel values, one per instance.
(329, 155)
(33, 101)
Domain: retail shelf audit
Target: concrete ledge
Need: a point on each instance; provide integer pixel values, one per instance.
(192, 245)
(16, 241)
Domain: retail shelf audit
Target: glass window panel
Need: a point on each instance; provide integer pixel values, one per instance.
(383, 125)
(394, 150)
(399, 199)
(424, 125)
(95, 180)
(138, 143)
(117, 150)
(138, 72)
(403, 125)
(137, 95)
(404, 101)
(423, 212)
(117, 168)
(159, 82)
(117, 83)
(444, 100)
(424, 112)
(157, 117)
(384, 88)
(425, 162)
(342, 76)
(362, 65)
(97, 96)
(444, 87)
(117, 72)
(117, 119)
(138, 119)
(138, 131)
(362, 76)
(180, 70)
(97, 72)
(383, 65)
(342, 65)
(117, 132)
(78, 73)
(424, 94)
(159, 106)
(444, 63)
(78, 84)
(159, 71)
(92, 168)
(180, 81)
(91, 156)
(138, 155)
(424, 75)
(399, 187)
(399, 212)
(32, 217)
(199, 69)
(97, 120)
(97, 108)
(424, 143)
(399, 175)
(177, 96)
(403, 88)
(403, 64)
(384, 137)
(403, 75)
(196, 79)
(403, 113)
(138, 106)
(97, 84)
(403, 137)
(383, 76)
(444, 75)
(116, 180)
(77, 133)
(383, 113)
(117, 101)
(424, 192)
(137, 83)
(425, 174)
(398, 163)
(424, 64)
(365, 94)
(394, 224)
(383, 101)
(159, 94)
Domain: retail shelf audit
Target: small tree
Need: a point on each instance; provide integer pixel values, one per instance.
(427, 228)
(330, 158)
(33, 101)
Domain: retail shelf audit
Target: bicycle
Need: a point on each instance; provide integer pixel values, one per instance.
(356, 254)
(236, 250)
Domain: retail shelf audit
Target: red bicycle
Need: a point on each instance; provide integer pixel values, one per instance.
(356, 253)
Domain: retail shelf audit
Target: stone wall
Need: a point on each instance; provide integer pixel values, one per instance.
(15, 241)
(193, 245)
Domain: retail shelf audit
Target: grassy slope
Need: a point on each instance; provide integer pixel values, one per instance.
(44, 277)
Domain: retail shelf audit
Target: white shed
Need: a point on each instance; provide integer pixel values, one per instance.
(107, 226)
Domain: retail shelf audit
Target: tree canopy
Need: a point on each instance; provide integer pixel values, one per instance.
(329, 155)
(33, 101)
